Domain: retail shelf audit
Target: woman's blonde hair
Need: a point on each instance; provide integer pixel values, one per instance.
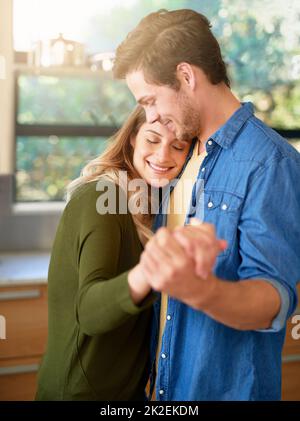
(119, 157)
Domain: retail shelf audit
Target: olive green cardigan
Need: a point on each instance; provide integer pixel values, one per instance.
(98, 339)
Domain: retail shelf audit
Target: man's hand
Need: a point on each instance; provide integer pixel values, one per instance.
(168, 265)
(199, 242)
(170, 259)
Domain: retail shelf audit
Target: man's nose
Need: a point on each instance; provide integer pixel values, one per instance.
(151, 115)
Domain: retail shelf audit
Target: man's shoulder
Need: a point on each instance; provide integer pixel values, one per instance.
(260, 143)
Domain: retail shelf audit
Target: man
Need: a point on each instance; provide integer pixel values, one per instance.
(219, 326)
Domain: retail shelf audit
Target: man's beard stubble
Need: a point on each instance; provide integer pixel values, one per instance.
(190, 126)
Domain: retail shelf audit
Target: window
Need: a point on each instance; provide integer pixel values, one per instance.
(64, 117)
(86, 100)
(63, 122)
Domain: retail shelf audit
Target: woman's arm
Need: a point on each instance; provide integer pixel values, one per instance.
(106, 298)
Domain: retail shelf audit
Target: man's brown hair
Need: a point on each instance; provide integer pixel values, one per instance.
(164, 39)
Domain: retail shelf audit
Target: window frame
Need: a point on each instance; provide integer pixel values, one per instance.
(42, 130)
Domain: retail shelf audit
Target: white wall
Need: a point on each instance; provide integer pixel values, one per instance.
(6, 88)
(18, 231)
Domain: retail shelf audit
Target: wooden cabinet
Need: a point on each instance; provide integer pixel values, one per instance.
(291, 362)
(25, 310)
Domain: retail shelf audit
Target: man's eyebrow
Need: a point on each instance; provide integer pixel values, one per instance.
(153, 131)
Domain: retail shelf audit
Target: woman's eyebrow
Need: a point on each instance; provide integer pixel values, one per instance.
(153, 131)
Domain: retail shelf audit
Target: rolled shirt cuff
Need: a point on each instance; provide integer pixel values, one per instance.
(280, 319)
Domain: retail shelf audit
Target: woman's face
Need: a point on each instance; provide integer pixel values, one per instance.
(158, 156)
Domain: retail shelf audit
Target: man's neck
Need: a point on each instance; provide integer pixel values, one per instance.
(222, 105)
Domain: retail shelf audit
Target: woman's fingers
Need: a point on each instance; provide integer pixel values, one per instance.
(164, 240)
(170, 249)
(200, 243)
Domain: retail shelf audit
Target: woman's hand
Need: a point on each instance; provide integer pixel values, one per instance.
(139, 288)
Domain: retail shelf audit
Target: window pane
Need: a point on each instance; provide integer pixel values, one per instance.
(46, 165)
(73, 100)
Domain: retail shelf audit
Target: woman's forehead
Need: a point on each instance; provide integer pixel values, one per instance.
(158, 129)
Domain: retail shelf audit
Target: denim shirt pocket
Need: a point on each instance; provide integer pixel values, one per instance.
(222, 209)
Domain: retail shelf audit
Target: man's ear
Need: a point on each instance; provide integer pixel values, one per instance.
(186, 75)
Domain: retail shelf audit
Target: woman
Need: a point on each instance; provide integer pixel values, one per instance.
(99, 307)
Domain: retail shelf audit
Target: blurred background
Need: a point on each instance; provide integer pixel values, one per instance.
(69, 113)
(58, 106)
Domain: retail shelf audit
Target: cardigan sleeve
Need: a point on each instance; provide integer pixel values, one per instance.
(103, 300)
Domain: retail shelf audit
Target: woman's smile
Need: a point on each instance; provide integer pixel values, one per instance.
(158, 168)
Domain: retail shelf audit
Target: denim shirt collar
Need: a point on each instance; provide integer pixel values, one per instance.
(226, 134)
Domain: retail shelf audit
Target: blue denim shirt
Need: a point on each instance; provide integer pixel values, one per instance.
(255, 173)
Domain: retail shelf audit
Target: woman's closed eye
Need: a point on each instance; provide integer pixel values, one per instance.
(152, 141)
(179, 148)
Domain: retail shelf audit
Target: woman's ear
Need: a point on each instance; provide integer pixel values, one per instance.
(132, 140)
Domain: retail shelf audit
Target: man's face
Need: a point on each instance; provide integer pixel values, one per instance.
(172, 108)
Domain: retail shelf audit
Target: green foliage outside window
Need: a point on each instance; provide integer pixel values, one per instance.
(95, 100)
(46, 165)
(260, 41)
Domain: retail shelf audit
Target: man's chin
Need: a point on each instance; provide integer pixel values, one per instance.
(185, 137)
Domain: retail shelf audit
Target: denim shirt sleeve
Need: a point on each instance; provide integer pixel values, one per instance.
(269, 232)
(279, 321)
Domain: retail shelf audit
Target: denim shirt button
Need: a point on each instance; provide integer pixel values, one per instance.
(224, 206)
(161, 392)
(203, 169)
(210, 142)
(210, 204)
(168, 317)
(163, 356)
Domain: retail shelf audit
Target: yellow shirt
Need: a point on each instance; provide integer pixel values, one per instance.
(181, 195)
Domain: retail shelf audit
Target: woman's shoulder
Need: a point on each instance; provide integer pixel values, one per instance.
(90, 188)
(102, 189)
(98, 198)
